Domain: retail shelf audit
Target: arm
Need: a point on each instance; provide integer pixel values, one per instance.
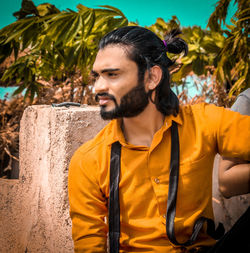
(234, 174)
(234, 177)
(87, 206)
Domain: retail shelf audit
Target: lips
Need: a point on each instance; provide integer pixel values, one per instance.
(103, 100)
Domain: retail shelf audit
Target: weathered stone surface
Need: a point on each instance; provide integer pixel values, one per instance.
(34, 210)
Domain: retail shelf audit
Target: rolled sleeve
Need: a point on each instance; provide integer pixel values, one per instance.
(233, 134)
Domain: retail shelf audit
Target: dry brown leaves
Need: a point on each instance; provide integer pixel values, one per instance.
(74, 90)
(10, 116)
(11, 112)
(211, 92)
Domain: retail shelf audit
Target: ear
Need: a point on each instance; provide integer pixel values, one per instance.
(153, 78)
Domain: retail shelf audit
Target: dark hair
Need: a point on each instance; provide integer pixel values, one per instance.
(146, 49)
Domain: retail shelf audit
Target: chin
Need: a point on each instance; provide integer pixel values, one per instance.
(107, 114)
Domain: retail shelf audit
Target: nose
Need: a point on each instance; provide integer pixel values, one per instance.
(101, 85)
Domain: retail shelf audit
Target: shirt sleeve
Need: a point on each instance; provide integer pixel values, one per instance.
(87, 206)
(233, 134)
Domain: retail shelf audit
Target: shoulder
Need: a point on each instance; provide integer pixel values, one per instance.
(203, 117)
(203, 110)
(245, 94)
(85, 162)
(242, 103)
(207, 115)
(100, 140)
(92, 150)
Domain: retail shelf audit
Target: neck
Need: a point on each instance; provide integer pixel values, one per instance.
(140, 130)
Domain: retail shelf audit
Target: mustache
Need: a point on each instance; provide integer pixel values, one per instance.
(104, 94)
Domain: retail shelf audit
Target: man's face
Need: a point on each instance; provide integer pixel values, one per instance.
(117, 88)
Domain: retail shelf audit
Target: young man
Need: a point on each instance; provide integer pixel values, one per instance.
(150, 169)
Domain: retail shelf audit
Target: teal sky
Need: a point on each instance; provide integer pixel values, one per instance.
(189, 12)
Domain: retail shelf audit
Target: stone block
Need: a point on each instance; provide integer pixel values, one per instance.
(34, 209)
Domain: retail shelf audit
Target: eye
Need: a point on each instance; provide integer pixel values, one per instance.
(93, 78)
(112, 74)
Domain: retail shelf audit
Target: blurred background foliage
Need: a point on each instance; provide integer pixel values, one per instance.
(53, 46)
(48, 54)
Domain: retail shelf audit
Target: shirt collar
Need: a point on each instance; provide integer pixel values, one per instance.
(115, 132)
(177, 119)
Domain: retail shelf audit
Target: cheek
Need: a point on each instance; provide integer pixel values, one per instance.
(122, 86)
(118, 90)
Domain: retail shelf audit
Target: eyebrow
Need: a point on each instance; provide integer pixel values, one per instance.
(104, 71)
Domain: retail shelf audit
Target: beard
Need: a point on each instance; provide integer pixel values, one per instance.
(132, 103)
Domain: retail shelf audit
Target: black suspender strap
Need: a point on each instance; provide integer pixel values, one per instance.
(172, 197)
(114, 205)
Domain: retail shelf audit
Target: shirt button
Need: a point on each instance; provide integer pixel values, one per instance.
(164, 216)
(157, 180)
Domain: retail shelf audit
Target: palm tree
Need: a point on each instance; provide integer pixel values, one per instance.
(56, 44)
(233, 64)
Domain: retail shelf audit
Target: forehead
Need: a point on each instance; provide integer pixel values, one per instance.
(113, 56)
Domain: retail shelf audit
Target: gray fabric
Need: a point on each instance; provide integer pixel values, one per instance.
(242, 103)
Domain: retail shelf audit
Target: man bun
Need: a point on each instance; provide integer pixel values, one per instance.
(174, 44)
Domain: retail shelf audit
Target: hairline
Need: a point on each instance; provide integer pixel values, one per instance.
(128, 49)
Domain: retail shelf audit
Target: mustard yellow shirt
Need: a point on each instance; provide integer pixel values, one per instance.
(204, 130)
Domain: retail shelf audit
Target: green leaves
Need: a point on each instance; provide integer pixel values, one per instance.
(24, 73)
(233, 60)
(222, 53)
(198, 66)
(161, 28)
(46, 9)
(116, 12)
(55, 43)
(28, 8)
(5, 51)
(219, 15)
(204, 48)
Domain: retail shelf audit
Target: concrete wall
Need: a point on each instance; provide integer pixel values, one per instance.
(34, 214)
(34, 210)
